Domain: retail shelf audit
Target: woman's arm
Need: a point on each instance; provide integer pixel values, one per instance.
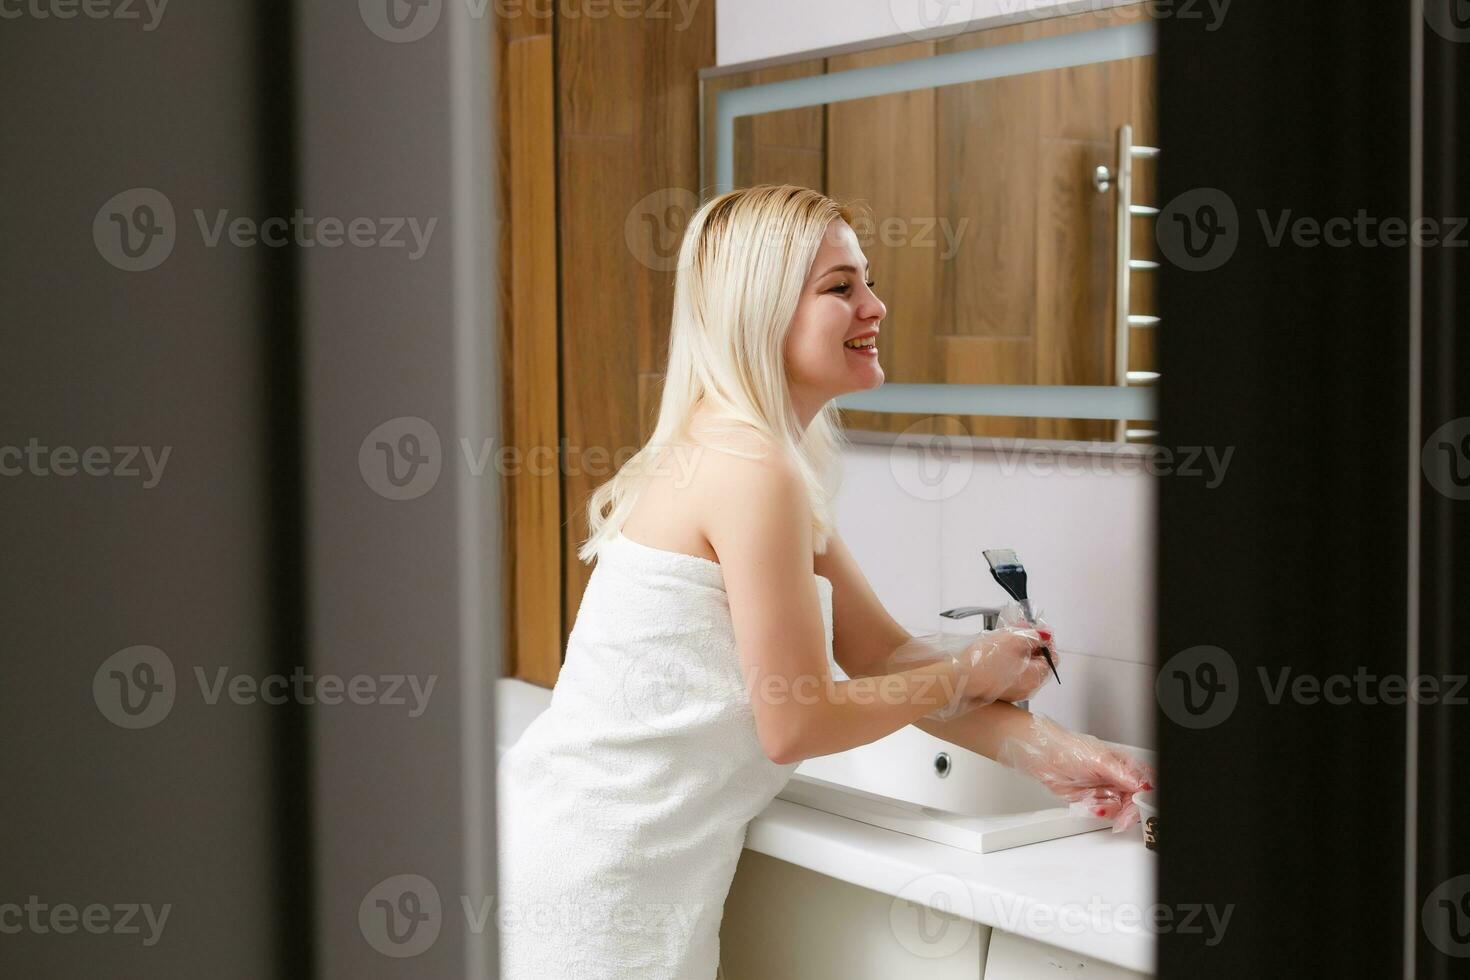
(758, 523)
(983, 729)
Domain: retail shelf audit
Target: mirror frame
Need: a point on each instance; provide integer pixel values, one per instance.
(1016, 58)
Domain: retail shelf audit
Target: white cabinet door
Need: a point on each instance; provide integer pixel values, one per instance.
(1012, 957)
(787, 923)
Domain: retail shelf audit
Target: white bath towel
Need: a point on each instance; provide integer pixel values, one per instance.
(623, 807)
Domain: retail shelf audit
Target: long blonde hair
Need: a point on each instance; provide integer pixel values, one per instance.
(742, 265)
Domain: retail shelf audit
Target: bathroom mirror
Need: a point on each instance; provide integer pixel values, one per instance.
(1009, 175)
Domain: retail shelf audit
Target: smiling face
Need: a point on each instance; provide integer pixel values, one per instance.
(831, 348)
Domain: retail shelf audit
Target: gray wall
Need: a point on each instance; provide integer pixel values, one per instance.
(183, 812)
(263, 545)
(397, 129)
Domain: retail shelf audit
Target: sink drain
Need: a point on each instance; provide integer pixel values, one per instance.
(942, 765)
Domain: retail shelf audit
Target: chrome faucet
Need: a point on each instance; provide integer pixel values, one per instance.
(991, 614)
(991, 621)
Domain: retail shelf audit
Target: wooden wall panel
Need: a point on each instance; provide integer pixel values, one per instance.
(783, 147)
(532, 559)
(989, 138)
(1074, 278)
(628, 168)
(600, 351)
(988, 141)
(666, 144)
(882, 151)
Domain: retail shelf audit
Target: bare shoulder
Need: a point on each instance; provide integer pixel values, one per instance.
(751, 496)
(697, 495)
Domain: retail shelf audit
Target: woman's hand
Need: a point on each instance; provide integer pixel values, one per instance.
(1008, 665)
(1079, 769)
(1003, 664)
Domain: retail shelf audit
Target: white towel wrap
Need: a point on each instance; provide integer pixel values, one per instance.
(623, 807)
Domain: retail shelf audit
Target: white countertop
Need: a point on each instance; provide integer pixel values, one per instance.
(1088, 893)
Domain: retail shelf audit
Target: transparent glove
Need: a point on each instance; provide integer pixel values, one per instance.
(1003, 664)
(1012, 617)
(1092, 776)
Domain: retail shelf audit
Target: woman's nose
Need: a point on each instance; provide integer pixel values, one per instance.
(872, 307)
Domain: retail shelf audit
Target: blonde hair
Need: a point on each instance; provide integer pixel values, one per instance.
(742, 265)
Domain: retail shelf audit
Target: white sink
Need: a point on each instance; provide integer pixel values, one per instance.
(963, 799)
(903, 766)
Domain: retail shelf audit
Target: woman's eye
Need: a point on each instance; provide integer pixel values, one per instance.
(841, 287)
(872, 283)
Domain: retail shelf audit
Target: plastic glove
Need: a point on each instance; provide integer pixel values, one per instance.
(1080, 769)
(1003, 664)
(1012, 617)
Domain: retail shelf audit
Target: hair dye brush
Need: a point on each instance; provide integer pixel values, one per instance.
(1010, 575)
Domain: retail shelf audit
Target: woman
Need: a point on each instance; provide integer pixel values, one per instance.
(697, 673)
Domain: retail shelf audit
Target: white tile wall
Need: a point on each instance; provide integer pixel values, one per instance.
(916, 521)
(749, 30)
